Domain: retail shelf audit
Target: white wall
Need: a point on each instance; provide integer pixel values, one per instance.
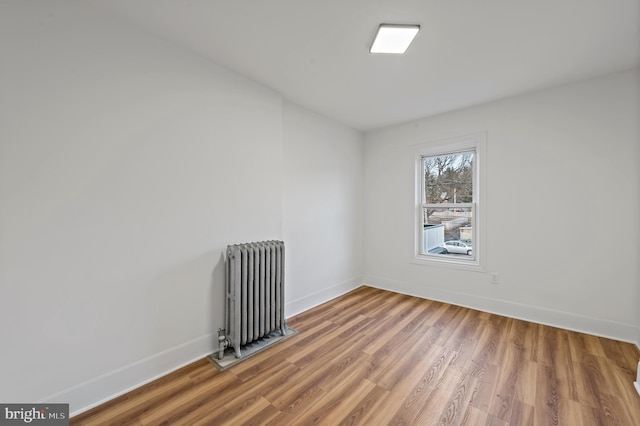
(322, 208)
(563, 202)
(127, 165)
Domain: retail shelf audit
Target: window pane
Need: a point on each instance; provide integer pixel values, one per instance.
(448, 230)
(449, 178)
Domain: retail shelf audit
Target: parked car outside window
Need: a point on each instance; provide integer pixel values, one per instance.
(459, 246)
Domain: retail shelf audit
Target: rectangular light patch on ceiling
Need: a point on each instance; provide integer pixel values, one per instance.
(393, 38)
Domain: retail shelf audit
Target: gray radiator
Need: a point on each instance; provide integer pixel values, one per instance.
(255, 294)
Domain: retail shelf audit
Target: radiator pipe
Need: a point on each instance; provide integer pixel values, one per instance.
(223, 343)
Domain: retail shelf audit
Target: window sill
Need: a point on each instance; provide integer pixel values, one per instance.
(472, 265)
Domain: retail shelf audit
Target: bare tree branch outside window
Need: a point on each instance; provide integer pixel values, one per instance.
(448, 179)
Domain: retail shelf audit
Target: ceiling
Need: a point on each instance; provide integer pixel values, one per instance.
(315, 53)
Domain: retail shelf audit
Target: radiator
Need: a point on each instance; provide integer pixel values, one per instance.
(254, 294)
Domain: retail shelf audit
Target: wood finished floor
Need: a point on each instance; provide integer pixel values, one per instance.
(372, 357)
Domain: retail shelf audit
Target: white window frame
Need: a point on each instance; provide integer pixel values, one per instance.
(475, 142)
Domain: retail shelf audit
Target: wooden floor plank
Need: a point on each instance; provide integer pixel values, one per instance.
(488, 375)
(359, 412)
(454, 412)
(501, 405)
(525, 389)
(523, 414)
(333, 406)
(373, 357)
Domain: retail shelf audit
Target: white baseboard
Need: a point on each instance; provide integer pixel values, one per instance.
(566, 320)
(97, 391)
(309, 301)
(94, 392)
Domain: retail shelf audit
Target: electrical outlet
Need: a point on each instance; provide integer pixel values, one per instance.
(495, 278)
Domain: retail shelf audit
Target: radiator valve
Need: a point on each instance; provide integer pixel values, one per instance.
(223, 343)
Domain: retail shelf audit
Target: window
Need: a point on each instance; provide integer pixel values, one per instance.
(448, 204)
